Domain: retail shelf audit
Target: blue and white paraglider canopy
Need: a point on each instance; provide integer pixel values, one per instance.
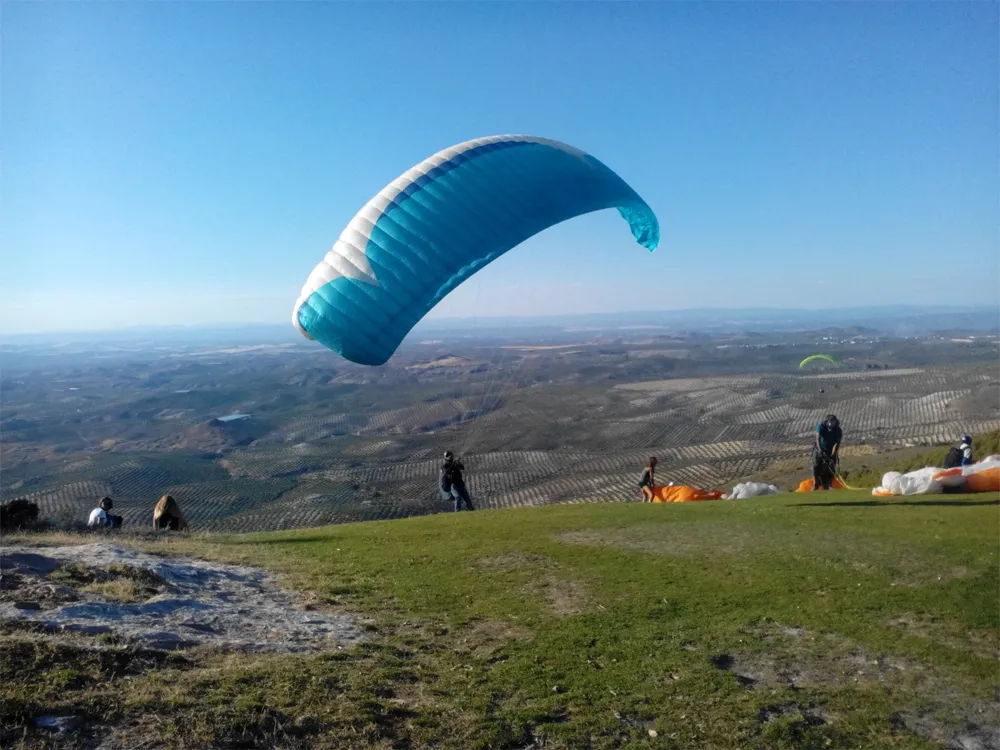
(442, 221)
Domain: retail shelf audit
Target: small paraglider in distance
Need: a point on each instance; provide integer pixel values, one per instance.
(443, 221)
(818, 357)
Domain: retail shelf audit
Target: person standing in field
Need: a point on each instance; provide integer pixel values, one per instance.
(826, 447)
(453, 482)
(648, 480)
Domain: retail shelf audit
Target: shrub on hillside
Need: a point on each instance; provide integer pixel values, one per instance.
(18, 514)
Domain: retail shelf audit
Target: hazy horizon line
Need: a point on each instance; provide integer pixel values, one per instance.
(977, 308)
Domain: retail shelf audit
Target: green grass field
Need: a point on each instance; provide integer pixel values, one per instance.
(820, 620)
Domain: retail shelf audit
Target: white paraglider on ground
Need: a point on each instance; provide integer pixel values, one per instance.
(983, 476)
(746, 490)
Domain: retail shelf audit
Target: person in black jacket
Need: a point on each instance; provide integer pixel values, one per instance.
(826, 452)
(648, 480)
(453, 482)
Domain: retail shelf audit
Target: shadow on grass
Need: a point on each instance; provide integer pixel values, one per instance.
(292, 540)
(886, 504)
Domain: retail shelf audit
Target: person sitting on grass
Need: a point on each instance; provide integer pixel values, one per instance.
(648, 480)
(167, 515)
(100, 517)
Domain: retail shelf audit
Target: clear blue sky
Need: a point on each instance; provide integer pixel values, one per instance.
(191, 162)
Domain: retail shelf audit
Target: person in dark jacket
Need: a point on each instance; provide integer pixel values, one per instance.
(960, 456)
(648, 480)
(451, 477)
(826, 449)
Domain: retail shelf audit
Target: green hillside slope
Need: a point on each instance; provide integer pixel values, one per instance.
(784, 622)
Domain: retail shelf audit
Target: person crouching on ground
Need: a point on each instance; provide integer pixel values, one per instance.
(167, 515)
(452, 477)
(100, 516)
(960, 456)
(648, 480)
(966, 449)
(825, 452)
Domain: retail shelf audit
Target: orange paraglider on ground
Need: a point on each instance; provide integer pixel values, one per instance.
(807, 484)
(679, 493)
(971, 479)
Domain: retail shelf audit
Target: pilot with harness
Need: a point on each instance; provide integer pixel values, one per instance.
(826, 452)
(960, 456)
(453, 483)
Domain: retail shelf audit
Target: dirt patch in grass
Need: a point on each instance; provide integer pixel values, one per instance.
(661, 539)
(910, 566)
(563, 596)
(26, 590)
(513, 561)
(797, 658)
(783, 657)
(164, 602)
(480, 634)
(950, 636)
(975, 728)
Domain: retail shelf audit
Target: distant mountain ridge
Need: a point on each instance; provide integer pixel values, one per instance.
(897, 320)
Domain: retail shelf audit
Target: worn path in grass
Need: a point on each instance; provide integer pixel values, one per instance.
(796, 621)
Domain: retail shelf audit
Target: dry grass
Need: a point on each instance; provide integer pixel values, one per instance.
(118, 582)
(120, 590)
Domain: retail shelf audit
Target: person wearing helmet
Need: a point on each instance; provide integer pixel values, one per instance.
(826, 449)
(960, 456)
(453, 483)
(966, 448)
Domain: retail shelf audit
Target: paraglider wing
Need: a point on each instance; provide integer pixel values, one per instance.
(442, 221)
(814, 357)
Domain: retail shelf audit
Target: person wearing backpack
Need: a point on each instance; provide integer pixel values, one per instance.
(826, 447)
(444, 484)
(451, 477)
(960, 456)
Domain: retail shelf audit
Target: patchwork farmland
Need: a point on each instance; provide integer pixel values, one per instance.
(309, 439)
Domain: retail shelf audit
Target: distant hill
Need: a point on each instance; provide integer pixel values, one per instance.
(217, 436)
(212, 438)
